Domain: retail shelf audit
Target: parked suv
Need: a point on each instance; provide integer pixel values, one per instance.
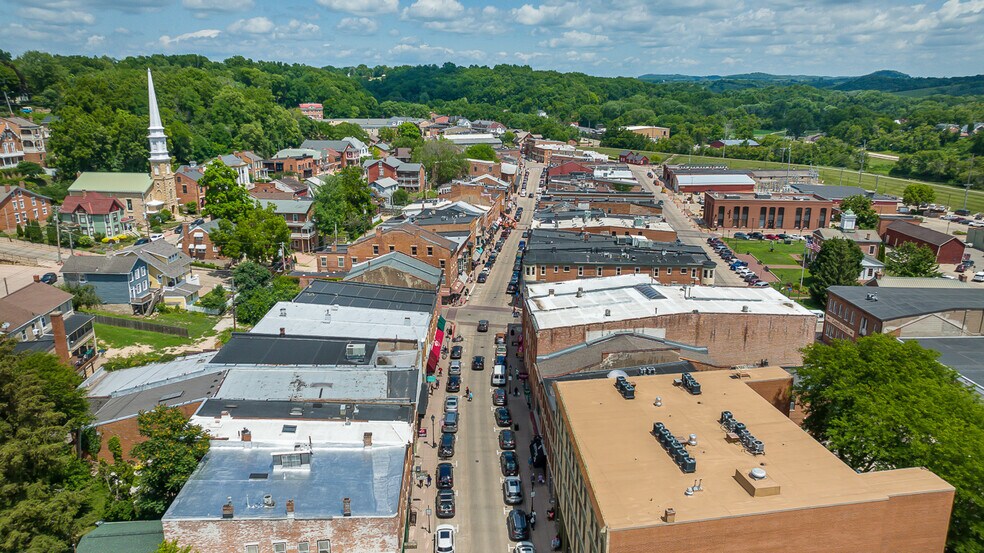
(508, 463)
(445, 476)
(446, 448)
(518, 526)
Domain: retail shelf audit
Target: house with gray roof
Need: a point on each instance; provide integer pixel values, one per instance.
(241, 167)
(116, 279)
(410, 176)
(299, 214)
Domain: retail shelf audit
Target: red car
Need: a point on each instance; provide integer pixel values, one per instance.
(771, 237)
(961, 268)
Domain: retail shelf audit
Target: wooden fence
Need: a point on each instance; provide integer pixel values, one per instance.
(142, 325)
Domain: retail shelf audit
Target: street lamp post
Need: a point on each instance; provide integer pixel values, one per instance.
(428, 512)
(433, 437)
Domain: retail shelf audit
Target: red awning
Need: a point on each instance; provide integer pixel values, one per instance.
(457, 287)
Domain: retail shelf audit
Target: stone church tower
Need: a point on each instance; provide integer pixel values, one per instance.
(164, 189)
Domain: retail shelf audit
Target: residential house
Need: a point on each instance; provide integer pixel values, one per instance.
(404, 154)
(18, 205)
(11, 150)
(94, 213)
(254, 164)
(134, 190)
(169, 270)
(301, 162)
(40, 317)
(241, 168)
(186, 182)
(384, 188)
(949, 250)
(335, 154)
(116, 279)
(298, 214)
(410, 176)
(358, 146)
(633, 158)
(31, 137)
(491, 127)
(196, 242)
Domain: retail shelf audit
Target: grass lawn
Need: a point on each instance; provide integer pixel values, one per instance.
(880, 166)
(119, 337)
(780, 254)
(198, 324)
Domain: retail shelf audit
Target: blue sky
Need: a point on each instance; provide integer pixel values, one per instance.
(628, 37)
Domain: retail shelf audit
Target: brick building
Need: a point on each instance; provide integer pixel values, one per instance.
(881, 203)
(598, 222)
(555, 256)
(11, 149)
(302, 164)
(608, 204)
(569, 168)
(313, 110)
(196, 241)
(31, 137)
(298, 213)
(478, 167)
(768, 326)
(336, 154)
(650, 132)
(410, 176)
(856, 311)
(477, 194)
(18, 205)
(949, 250)
(695, 179)
(768, 487)
(186, 182)
(766, 211)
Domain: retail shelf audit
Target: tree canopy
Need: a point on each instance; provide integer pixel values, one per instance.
(258, 234)
(910, 259)
(258, 290)
(224, 197)
(867, 218)
(881, 404)
(838, 263)
(442, 161)
(481, 151)
(918, 194)
(343, 203)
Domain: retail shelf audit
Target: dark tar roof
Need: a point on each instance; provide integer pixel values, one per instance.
(548, 247)
(373, 296)
(963, 354)
(106, 409)
(259, 409)
(895, 303)
(830, 192)
(921, 233)
(269, 349)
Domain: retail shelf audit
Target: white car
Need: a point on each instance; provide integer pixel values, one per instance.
(156, 237)
(524, 547)
(444, 539)
(451, 404)
(978, 277)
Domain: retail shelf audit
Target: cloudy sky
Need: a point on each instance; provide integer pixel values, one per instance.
(625, 37)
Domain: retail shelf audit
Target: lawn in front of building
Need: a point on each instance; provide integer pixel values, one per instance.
(769, 252)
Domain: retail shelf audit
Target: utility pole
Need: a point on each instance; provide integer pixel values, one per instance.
(860, 169)
(969, 181)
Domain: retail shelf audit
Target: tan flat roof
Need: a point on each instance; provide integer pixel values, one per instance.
(633, 479)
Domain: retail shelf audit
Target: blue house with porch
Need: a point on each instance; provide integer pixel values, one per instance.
(117, 279)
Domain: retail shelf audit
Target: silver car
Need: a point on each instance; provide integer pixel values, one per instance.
(512, 490)
(451, 404)
(455, 367)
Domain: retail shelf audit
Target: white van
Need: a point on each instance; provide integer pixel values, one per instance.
(499, 375)
(979, 277)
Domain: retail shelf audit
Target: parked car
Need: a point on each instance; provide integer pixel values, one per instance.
(454, 368)
(961, 268)
(141, 241)
(738, 263)
(456, 352)
(760, 284)
(482, 277)
(518, 525)
(741, 236)
(508, 463)
(507, 440)
(978, 277)
(524, 547)
(445, 476)
(503, 418)
(446, 448)
(483, 326)
(451, 404)
(444, 539)
(49, 278)
(750, 277)
(156, 236)
(756, 236)
(454, 383)
(450, 423)
(499, 397)
(478, 363)
(444, 504)
(512, 490)
(772, 237)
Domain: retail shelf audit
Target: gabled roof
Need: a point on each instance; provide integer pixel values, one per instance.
(231, 160)
(288, 206)
(99, 264)
(336, 145)
(138, 536)
(298, 152)
(93, 203)
(193, 173)
(921, 233)
(207, 226)
(157, 253)
(35, 299)
(110, 183)
(401, 262)
(4, 193)
(413, 230)
(896, 303)
(249, 154)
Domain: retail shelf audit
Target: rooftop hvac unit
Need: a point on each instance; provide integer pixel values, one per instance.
(355, 352)
(690, 384)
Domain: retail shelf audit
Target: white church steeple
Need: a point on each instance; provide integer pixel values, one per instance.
(158, 141)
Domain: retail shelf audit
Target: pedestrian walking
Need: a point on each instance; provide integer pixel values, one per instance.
(532, 520)
(428, 480)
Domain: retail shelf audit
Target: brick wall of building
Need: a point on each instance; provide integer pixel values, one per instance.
(188, 190)
(779, 214)
(126, 430)
(677, 274)
(478, 168)
(29, 207)
(405, 243)
(949, 253)
(199, 237)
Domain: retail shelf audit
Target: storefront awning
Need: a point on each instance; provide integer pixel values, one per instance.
(457, 287)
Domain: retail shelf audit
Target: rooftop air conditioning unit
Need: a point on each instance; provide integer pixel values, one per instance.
(355, 352)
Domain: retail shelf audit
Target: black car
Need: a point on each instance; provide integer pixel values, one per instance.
(508, 463)
(511, 288)
(756, 236)
(141, 241)
(454, 384)
(507, 440)
(445, 449)
(197, 222)
(478, 363)
(483, 326)
(499, 396)
(445, 476)
(482, 277)
(502, 418)
(519, 528)
(444, 504)
(456, 352)
(49, 278)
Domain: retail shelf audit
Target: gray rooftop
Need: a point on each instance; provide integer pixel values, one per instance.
(371, 477)
(613, 351)
(266, 409)
(161, 255)
(963, 354)
(921, 233)
(98, 264)
(337, 145)
(556, 247)
(271, 349)
(895, 303)
(321, 384)
(374, 296)
(299, 207)
(832, 192)
(181, 392)
(401, 262)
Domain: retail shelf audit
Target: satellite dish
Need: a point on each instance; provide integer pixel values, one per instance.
(617, 373)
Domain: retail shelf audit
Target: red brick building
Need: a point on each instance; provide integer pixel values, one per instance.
(765, 211)
(186, 184)
(628, 156)
(948, 249)
(313, 110)
(410, 176)
(197, 242)
(569, 167)
(302, 165)
(19, 205)
(479, 167)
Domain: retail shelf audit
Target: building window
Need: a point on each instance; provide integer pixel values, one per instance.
(618, 271)
(556, 269)
(355, 260)
(580, 271)
(16, 217)
(44, 210)
(252, 548)
(413, 251)
(669, 271)
(693, 273)
(871, 250)
(683, 270)
(430, 251)
(392, 247)
(864, 326)
(324, 546)
(341, 261)
(35, 213)
(598, 271)
(375, 249)
(567, 268)
(129, 204)
(443, 264)
(636, 270)
(303, 547)
(324, 260)
(543, 270)
(279, 547)
(34, 201)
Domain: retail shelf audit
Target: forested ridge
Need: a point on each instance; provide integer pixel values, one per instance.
(212, 107)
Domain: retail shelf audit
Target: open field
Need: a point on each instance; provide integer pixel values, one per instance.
(199, 325)
(769, 253)
(115, 337)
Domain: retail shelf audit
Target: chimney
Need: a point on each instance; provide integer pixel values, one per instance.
(669, 515)
(246, 435)
(550, 291)
(367, 439)
(283, 331)
(346, 507)
(60, 336)
(290, 508)
(37, 278)
(227, 509)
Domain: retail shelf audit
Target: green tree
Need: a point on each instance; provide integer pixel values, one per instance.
(881, 404)
(250, 275)
(224, 197)
(253, 305)
(508, 137)
(867, 218)
(918, 194)
(912, 260)
(408, 130)
(216, 298)
(401, 197)
(169, 454)
(83, 297)
(343, 203)
(258, 235)
(838, 263)
(387, 134)
(481, 151)
(171, 546)
(441, 160)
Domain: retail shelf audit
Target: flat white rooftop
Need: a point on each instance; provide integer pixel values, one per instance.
(342, 321)
(628, 297)
(623, 222)
(691, 180)
(287, 432)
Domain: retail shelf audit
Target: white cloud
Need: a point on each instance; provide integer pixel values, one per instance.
(204, 34)
(357, 24)
(218, 5)
(529, 15)
(253, 26)
(434, 10)
(95, 40)
(362, 7)
(62, 16)
(297, 27)
(420, 50)
(577, 39)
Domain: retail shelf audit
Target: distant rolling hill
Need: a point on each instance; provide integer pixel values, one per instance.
(885, 81)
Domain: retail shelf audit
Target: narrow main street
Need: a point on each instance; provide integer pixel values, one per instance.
(481, 512)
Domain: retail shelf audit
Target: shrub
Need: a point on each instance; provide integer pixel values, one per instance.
(215, 299)
(191, 208)
(137, 359)
(84, 241)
